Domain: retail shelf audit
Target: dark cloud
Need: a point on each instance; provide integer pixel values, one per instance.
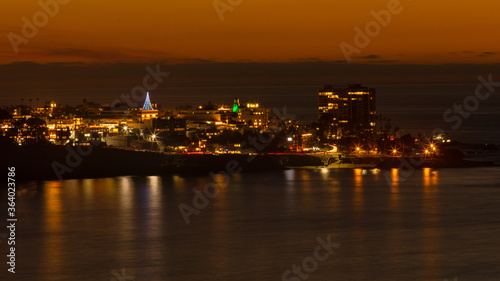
(486, 54)
(382, 61)
(76, 75)
(370, 57)
(66, 63)
(199, 60)
(310, 59)
(315, 60)
(82, 54)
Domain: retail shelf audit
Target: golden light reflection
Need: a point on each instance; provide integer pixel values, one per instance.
(107, 187)
(426, 172)
(222, 181)
(154, 219)
(376, 173)
(324, 173)
(154, 193)
(88, 189)
(53, 225)
(125, 193)
(395, 196)
(178, 183)
(53, 184)
(126, 206)
(358, 190)
(431, 210)
(430, 177)
(53, 205)
(434, 178)
(307, 188)
(395, 179)
(358, 177)
(305, 175)
(154, 180)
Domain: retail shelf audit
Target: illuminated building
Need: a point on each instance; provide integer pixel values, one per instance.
(248, 114)
(350, 110)
(252, 115)
(148, 112)
(60, 130)
(236, 105)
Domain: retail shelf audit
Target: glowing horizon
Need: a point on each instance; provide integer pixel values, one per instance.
(424, 32)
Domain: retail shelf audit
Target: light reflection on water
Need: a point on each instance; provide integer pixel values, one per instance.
(433, 225)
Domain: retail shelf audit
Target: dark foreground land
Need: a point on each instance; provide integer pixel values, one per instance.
(49, 162)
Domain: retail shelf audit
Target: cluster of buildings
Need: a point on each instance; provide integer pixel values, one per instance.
(148, 127)
(342, 112)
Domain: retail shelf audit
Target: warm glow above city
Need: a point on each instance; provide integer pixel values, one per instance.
(424, 32)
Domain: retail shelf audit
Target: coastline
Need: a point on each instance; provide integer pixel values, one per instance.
(44, 162)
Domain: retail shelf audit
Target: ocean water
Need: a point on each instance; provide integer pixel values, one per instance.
(383, 225)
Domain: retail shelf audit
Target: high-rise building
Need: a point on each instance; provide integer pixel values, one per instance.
(345, 111)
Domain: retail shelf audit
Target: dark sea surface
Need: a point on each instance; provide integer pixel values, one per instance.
(415, 108)
(391, 225)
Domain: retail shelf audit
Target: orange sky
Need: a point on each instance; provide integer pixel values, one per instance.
(426, 31)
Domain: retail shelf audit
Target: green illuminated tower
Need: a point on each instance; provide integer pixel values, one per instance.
(236, 105)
